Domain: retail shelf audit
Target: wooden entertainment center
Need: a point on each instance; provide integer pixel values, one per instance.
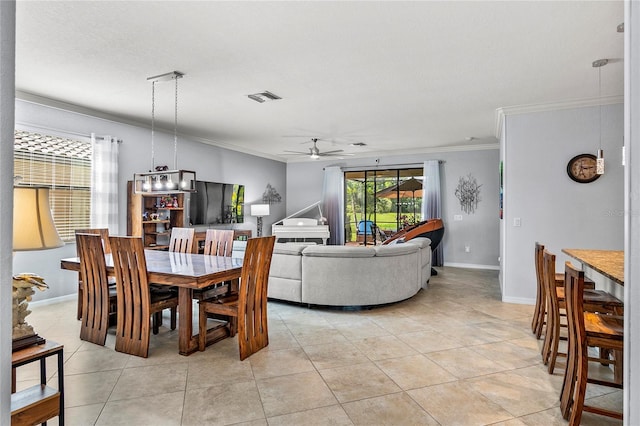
(151, 216)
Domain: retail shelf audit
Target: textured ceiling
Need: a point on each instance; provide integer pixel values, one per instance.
(398, 76)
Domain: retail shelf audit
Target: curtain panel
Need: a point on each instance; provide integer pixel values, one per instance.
(333, 203)
(104, 183)
(431, 202)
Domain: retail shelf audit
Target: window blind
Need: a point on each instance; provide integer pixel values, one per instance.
(62, 165)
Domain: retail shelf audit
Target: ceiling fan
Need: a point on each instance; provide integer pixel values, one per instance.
(314, 152)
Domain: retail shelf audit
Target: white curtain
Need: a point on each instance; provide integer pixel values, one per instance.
(431, 201)
(333, 203)
(104, 183)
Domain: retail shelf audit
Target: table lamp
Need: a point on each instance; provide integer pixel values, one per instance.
(33, 229)
(259, 210)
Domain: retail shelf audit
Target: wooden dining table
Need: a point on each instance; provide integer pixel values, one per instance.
(188, 272)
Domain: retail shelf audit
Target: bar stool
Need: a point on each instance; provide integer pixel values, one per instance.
(540, 310)
(586, 329)
(593, 301)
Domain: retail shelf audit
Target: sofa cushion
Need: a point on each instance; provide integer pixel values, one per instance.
(396, 250)
(339, 251)
(421, 242)
(289, 248)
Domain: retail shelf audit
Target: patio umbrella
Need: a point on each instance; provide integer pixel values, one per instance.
(408, 188)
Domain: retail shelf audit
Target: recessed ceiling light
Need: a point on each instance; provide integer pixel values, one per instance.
(358, 144)
(264, 96)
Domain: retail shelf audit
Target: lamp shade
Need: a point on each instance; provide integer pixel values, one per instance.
(260, 210)
(33, 227)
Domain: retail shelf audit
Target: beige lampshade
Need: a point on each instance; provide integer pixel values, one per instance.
(33, 227)
(260, 210)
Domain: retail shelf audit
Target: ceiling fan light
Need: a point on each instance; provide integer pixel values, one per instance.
(314, 156)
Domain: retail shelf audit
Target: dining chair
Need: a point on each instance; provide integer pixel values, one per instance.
(538, 321)
(218, 242)
(104, 233)
(98, 298)
(247, 310)
(136, 300)
(182, 240)
(586, 329)
(592, 301)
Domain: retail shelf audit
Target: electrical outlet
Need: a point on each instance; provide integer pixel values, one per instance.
(517, 221)
(457, 217)
(467, 249)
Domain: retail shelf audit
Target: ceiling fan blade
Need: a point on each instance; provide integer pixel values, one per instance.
(296, 152)
(343, 154)
(331, 152)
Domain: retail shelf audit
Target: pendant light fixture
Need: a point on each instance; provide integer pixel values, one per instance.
(600, 157)
(161, 180)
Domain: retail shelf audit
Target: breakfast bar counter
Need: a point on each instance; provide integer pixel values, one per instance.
(609, 264)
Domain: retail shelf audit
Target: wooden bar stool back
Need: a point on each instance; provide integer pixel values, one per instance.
(97, 296)
(247, 310)
(136, 301)
(538, 321)
(593, 301)
(586, 329)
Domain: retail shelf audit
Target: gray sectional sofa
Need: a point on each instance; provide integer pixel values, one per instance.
(349, 275)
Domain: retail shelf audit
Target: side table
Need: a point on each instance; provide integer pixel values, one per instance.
(38, 403)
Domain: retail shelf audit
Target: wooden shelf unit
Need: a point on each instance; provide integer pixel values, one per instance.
(38, 403)
(155, 233)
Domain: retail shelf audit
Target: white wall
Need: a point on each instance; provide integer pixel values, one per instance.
(7, 89)
(210, 163)
(553, 209)
(479, 230)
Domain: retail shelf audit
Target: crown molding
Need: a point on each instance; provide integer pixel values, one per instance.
(501, 113)
(388, 153)
(118, 119)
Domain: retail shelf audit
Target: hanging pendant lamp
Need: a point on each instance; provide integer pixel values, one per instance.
(600, 157)
(161, 180)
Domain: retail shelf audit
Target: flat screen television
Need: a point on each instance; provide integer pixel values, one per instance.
(216, 203)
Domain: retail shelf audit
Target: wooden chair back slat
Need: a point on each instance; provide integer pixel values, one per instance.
(548, 286)
(95, 288)
(104, 234)
(133, 296)
(218, 242)
(605, 331)
(247, 310)
(182, 240)
(253, 332)
(537, 321)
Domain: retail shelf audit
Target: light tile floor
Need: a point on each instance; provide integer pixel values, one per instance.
(452, 355)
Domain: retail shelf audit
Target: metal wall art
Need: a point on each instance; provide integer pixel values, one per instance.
(468, 192)
(270, 195)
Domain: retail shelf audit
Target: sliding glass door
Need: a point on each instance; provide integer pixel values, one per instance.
(380, 202)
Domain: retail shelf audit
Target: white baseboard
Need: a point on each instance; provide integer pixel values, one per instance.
(519, 300)
(472, 266)
(54, 300)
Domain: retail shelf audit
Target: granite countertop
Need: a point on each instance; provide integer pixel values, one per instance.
(609, 263)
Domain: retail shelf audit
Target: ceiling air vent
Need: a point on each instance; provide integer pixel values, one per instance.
(264, 96)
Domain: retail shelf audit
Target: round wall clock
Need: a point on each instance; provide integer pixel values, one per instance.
(582, 168)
